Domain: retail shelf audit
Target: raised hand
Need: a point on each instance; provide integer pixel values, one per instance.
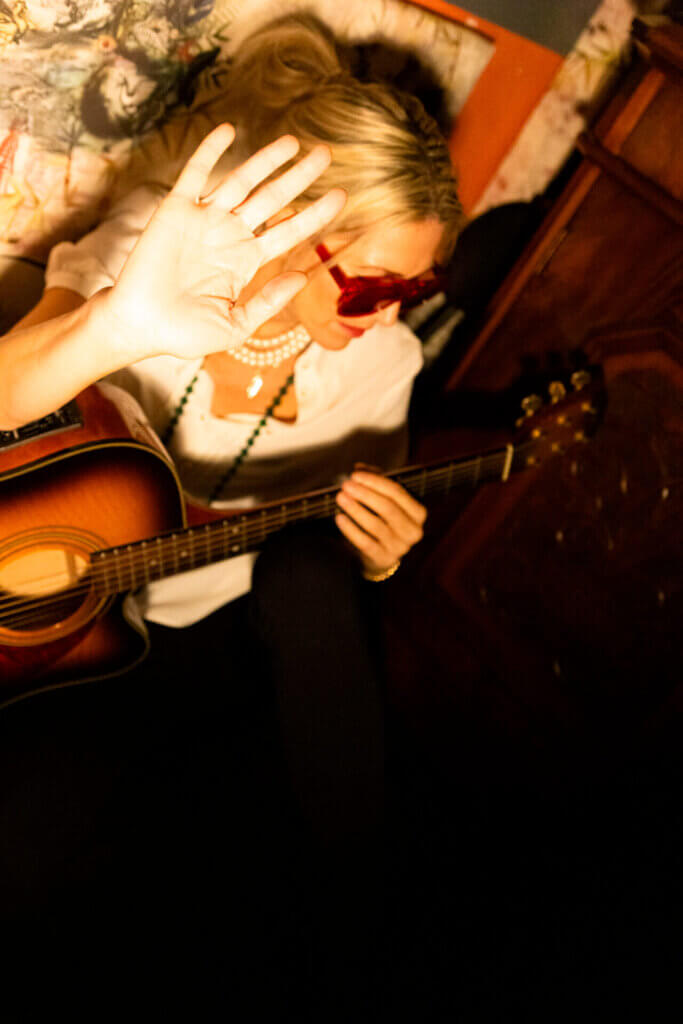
(179, 291)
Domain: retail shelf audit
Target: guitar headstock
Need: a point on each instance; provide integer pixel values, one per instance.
(567, 413)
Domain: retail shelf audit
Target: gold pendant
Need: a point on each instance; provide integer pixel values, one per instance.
(255, 386)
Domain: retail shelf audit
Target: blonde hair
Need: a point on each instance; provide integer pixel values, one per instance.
(387, 152)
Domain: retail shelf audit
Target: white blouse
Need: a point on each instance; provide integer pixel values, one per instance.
(352, 407)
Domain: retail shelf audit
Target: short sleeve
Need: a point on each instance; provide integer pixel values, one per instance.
(96, 260)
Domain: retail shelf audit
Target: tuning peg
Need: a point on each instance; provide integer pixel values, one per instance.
(579, 379)
(557, 391)
(531, 404)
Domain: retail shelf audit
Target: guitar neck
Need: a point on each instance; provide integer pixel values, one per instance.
(123, 569)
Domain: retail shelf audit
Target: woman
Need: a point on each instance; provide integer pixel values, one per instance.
(401, 216)
(319, 386)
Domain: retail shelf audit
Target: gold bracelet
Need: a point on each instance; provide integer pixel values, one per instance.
(377, 577)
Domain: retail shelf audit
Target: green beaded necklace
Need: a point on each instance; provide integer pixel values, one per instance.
(237, 462)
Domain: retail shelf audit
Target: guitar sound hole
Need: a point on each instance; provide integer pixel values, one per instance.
(41, 587)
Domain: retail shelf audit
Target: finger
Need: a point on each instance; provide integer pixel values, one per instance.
(288, 234)
(385, 485)
(362, 542)
(278, 194)
(245, 178)
(401, 523)
(192, 179)
(371, 524)
(272, 298)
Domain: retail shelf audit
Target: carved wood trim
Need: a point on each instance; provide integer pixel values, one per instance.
(631, 179)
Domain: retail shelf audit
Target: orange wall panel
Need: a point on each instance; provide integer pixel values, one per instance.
(517, 76)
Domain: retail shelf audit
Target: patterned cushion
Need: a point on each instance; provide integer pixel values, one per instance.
(84, 81)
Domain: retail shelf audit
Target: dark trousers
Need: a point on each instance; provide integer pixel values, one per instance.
(226, 793)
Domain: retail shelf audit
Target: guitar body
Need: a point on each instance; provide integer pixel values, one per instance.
(102, 482)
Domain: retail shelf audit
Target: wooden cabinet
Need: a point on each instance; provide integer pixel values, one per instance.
(544, 619)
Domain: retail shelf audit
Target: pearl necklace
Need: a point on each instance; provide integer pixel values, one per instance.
(278, 349)
(273, 352)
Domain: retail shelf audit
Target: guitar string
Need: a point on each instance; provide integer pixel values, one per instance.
(215, 541)
(279, 515)
(37, 612)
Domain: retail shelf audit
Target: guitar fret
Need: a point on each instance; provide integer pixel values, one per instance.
(225, 538)
(145, 567)
(124, 573)
(235, 542)
(160, 551)
(129, 568)
(103, 564)
(184, 558)
(117, 569)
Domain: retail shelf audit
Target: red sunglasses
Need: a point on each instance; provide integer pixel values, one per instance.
(363, 295)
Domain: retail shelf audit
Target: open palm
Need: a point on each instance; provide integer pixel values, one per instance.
(179, 290)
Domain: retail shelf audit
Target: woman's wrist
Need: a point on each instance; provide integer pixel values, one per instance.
(45, 364)
(381, 574)
(119, 344)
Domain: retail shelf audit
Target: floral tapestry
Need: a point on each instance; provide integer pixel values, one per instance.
(83, 82)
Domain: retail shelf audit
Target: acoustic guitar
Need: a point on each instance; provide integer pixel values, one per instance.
(91, 509)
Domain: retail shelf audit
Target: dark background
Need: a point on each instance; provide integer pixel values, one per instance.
(555, 25)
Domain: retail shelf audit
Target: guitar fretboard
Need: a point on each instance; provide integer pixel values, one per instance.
(119, 570)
